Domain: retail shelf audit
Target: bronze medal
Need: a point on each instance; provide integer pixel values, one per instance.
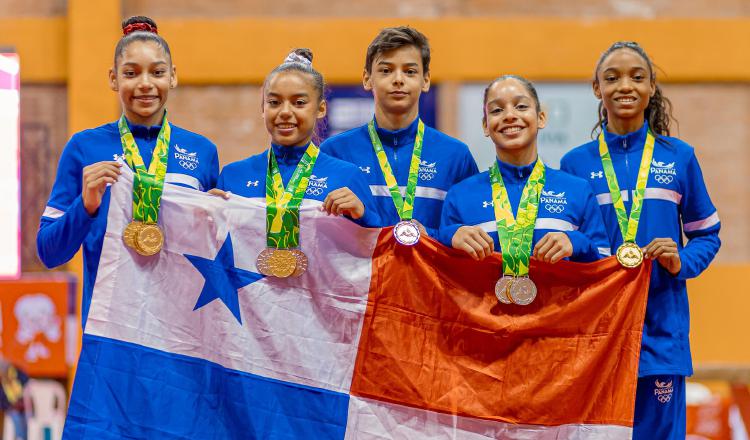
(302, 262)
(262, 261)
(629, 255)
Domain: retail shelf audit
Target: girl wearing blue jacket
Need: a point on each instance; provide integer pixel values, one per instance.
(76, 213)
(293, 102)
(650, 189)
(560, 209)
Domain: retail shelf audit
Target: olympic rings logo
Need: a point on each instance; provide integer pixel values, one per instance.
(556, 209)
(426, 176)
(663, 178)
(664, 398)
(314, 191)
(188, 165)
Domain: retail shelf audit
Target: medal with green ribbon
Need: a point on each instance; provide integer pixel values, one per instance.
(143, 234)
(516, 234)
(282, 258)
(629, 254)
(406, 231)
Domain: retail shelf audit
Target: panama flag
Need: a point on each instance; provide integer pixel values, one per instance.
(374, 341)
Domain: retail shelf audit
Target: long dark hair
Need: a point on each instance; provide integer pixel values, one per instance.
(659, 110)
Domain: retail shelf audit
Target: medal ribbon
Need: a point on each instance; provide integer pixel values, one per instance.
(404, 205)
(516, 233)
(628, 226)
(148, 184)
(282, 205)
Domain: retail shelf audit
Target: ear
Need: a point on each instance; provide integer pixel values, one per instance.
(322, 109)
(113, 80)
(173, 78)
(595, 87)
(426, 84)
(485, 129)
(653, 89)
(542, 119)
(366, 80)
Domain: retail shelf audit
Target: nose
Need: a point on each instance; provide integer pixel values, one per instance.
(510, 115)
(398, 77)
(625, 84)
(144, 82)
(285, 111)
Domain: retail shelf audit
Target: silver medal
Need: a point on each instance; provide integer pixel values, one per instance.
(523, 291)
(502, 289)
(406, 233)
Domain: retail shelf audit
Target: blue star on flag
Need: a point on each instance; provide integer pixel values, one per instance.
(223, 280)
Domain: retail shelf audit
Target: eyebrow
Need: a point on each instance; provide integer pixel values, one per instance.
(390, 63)
(517, 98)
(131, 63)
(298, 95)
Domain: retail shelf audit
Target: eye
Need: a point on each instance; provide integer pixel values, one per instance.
(272, 102)
(496, 110)
(638, 77)
(522, 107)
(300, 102)
(610, 78)
(385, 70)
(160, 72)
(128, 74)
(411, 72)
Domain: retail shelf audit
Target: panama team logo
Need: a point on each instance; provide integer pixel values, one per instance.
(664, 173)
(316, 185)
(553, 202)
(427, 171)
(663, 391)
(187, 160)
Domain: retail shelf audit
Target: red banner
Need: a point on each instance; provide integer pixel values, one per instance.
(33, 313)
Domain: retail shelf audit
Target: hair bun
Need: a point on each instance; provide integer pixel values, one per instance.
(139, 23)
(302, 56)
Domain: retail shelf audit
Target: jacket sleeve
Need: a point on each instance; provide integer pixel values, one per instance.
(450, 219)
(468, 167)
(213, 171)
(590, 241)
(361, 189)
(700, 223)
(65, 222)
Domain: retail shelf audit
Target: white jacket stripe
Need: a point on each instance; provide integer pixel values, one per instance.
(702, 224)
(183, 179)
(51, 212)
(422, 191)
(649, 193)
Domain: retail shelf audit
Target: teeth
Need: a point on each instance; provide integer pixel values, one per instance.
(284, 126)
(625, 100)
(510, 130)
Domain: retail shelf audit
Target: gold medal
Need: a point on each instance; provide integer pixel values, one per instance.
(629, 255)
(282, 263)
(128, 235)
(149, 239)
(301, 259)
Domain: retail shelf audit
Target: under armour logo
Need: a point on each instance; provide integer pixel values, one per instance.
(599, 174)
(252, 183)
(365, 169)
(118, 157)
(486, 204)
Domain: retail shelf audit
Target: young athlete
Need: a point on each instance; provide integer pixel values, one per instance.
(408, 166)
(650, 190)
(555, 213)
(76, 213)
(293, 103)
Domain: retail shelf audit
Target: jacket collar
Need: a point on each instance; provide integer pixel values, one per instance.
(400, 137)
(633, 141)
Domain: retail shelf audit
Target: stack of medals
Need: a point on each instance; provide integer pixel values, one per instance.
(515, 235)
(406, 231)
(143, 234)
(629, 254)
(282, 257)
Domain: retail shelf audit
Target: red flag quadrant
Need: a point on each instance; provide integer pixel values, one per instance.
(435, 338)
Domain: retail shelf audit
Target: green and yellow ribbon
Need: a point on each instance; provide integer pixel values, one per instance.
(404, 205)
(628, 226)
(282, 205)
(516, 234)
(148, 184)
